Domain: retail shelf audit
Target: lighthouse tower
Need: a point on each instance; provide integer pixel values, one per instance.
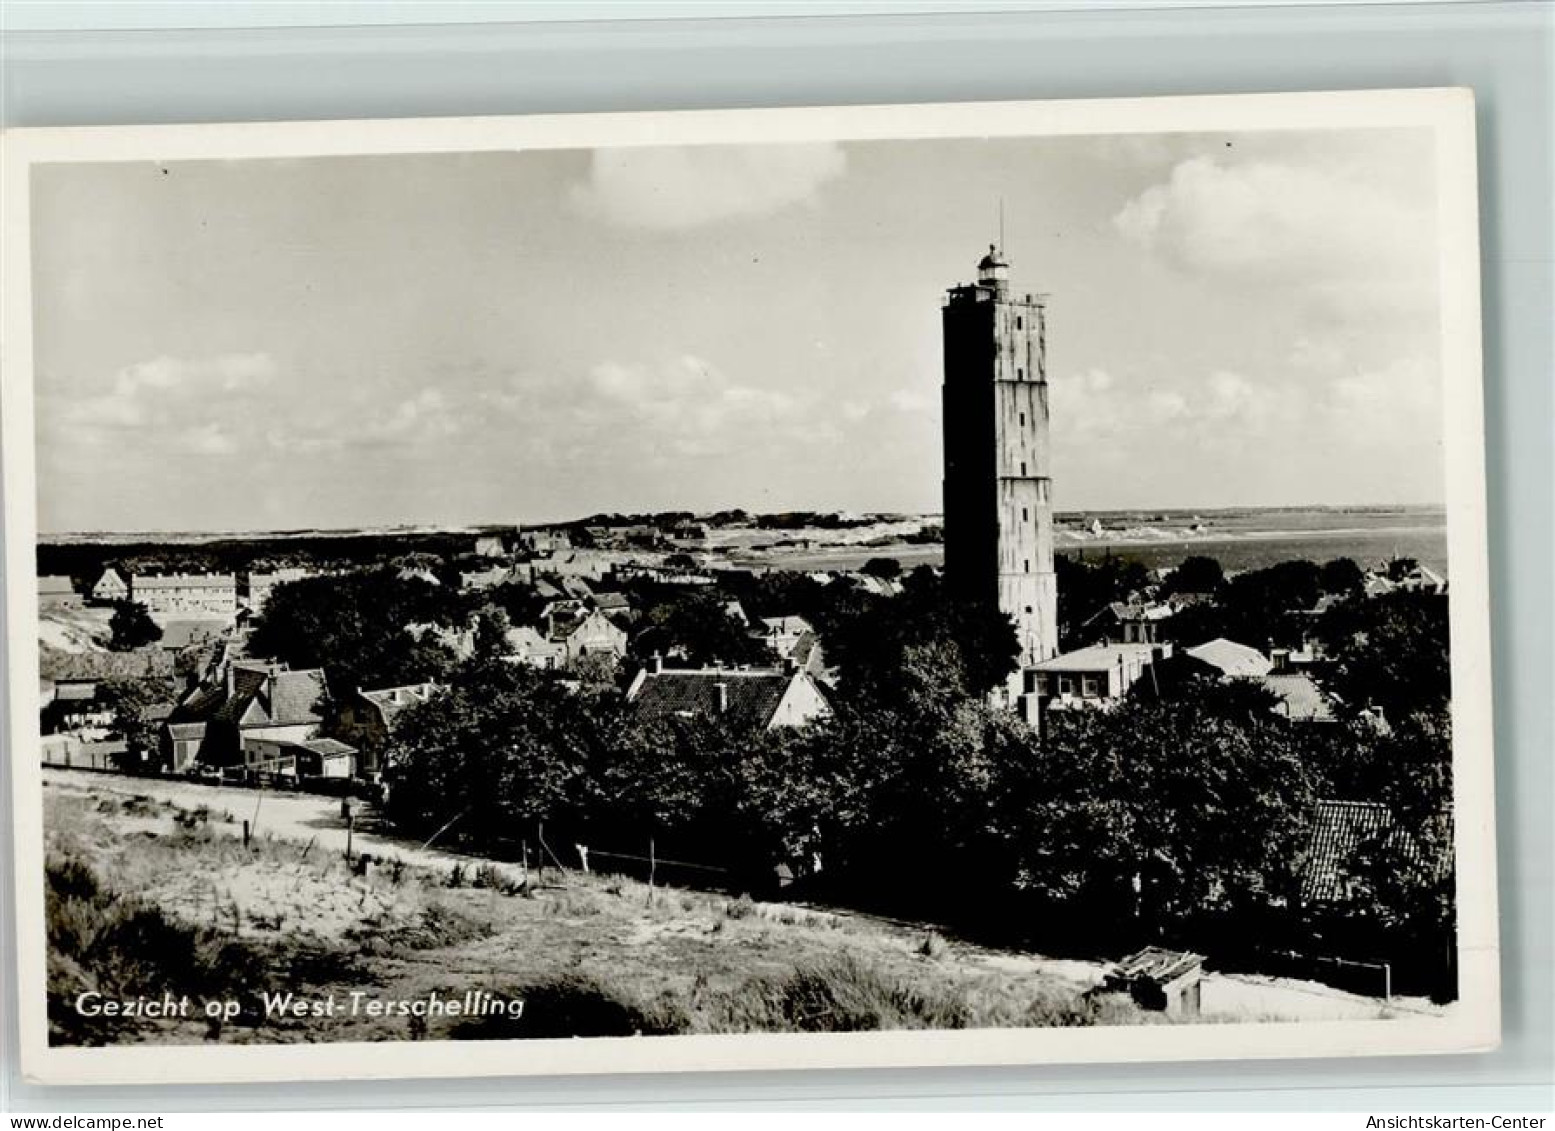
(998, 485)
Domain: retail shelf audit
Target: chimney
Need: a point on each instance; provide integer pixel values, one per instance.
(723, 697)
(656, 663)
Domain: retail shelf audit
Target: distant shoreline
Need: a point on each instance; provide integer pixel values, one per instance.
(1062, 519)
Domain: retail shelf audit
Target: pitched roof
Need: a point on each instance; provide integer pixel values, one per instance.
(1340, 829)
(54, 585)
(186, 730)
(1096, 657)
(1300, 698)
(751, 695)
(393, 701)
(262, 695)
(786, 625)
(1231, 658)
(327, 746)
(612, 602)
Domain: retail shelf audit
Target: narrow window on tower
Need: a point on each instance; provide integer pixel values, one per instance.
(1027, 564)
(1023, 420)
(1023, 467)
(1020, 323)
(1025, 516)
(1020, 374)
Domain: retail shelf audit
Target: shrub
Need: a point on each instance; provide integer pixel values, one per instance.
(101, 941)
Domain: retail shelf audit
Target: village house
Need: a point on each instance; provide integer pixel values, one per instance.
(526, 645)
(367, 720)
(55, 592)
(299, 758)
(490, 546)
(458, 640)
(613, 604)
(111, 588)
(1299, 697)
(1230, 659)
(69, 751)
(74, 706)
(1128, 622)
(253, 700)
(587, 564)
(540, 541)
(488, 578)
(261, 585)
(745, 699)
(188, 594)
(1095, 676)
(795, 641)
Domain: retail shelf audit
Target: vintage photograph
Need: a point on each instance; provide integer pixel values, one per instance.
(846, 580)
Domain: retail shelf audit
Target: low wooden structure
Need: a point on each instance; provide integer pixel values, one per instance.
(1165, 980)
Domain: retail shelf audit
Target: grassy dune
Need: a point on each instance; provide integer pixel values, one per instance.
(146, 898)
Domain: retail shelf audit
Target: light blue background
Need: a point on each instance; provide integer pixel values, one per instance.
(418, 59)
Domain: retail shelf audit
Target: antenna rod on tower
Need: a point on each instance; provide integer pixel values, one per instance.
(1001, 226)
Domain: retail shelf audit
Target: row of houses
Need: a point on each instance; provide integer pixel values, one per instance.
(1101, 674)
(171, 594)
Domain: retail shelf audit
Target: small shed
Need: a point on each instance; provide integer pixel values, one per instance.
(1164, 980)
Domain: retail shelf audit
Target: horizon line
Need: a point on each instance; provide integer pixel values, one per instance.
(368, 529)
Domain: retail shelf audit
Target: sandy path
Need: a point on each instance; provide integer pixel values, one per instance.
(299, 817)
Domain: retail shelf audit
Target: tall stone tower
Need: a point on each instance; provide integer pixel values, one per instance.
(998, 490)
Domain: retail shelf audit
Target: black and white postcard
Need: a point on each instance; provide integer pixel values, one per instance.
(918, 585)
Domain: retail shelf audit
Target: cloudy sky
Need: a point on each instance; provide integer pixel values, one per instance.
(505, 337)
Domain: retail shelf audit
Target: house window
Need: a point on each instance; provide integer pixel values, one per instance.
(1065, 685)
(1041, 685)
(1089, 686)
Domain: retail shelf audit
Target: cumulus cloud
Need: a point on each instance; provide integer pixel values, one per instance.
(685, 186)
(164, 394)
(1282, 222)
(1225, 436)
(689, 407)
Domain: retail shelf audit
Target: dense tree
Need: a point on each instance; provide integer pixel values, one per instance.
(692, 621)
(1261, 608)
(132, 627)
(355, 627)
(887, 568)
(1160, 811)
(1341, 577)
(503, 749)
(870, 644)
(1390, 652)
(1195, 574)
(134, 703)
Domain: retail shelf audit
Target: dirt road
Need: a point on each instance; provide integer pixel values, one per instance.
(289, 816)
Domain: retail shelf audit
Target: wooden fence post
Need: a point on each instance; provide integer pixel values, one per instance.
(652, 862)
